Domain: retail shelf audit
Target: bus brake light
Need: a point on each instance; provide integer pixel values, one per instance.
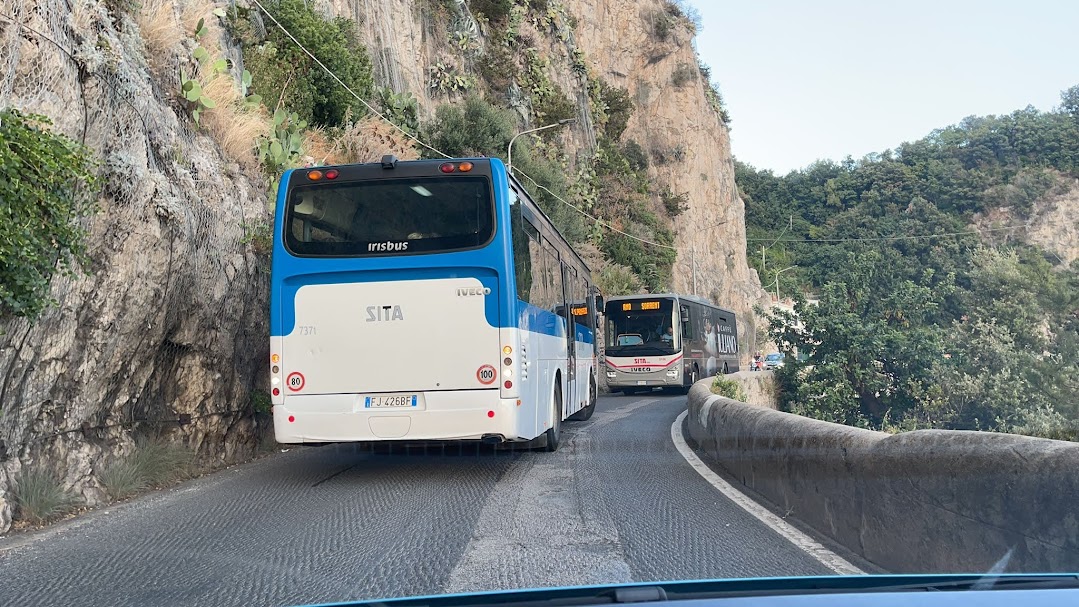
(332, 174)
(446, 167)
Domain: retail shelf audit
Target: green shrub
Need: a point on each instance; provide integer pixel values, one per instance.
(281, 72)
(634, 153)
(728, 388)
(46, 185)
(494, 10)
(674, 203)
(618, 280)
(683, 74)
(40, 497)
(260, 401)
(474, 128)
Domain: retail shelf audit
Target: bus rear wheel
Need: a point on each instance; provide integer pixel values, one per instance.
(553, 435)
(587, 412)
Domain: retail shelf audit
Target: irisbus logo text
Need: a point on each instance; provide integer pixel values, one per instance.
(387, 246)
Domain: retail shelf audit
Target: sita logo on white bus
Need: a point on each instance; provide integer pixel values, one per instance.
(384, 313)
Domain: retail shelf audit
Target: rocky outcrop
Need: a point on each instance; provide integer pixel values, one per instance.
(167, 330)
(678, 123)
(1055, 225)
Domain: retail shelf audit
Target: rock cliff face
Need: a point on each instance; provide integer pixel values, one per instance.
(166, 333)
(170, 321)
(619, 42)
(619, 37)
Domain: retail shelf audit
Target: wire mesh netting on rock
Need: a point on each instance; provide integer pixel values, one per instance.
(165, 332)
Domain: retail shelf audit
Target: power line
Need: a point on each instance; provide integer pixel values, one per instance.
(432, 148)
(889, 238)
(596, 219)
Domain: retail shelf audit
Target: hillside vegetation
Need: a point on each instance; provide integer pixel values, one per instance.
(924, 321)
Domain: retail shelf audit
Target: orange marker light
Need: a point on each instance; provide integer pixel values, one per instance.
(507, 350)
(464, 167)
(314, 175)
(275, 359)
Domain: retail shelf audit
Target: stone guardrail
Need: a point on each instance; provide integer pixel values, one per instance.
(915, 502)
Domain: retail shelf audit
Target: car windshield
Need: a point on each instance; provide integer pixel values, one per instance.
(310, 302)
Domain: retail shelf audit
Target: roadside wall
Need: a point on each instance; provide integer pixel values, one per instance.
(916, 502)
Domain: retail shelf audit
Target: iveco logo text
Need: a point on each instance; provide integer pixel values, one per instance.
(473, 291)
(384, 313)
(387, 246)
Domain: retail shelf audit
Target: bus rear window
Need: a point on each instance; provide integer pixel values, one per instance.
(389, 217)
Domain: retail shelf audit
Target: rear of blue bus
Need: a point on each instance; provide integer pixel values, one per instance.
(392, 305)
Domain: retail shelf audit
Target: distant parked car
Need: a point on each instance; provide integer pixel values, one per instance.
(773, 361)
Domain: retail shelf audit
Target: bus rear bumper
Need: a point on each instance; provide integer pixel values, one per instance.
(456, 415)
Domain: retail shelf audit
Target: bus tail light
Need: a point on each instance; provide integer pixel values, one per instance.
(332, 174)
(446, 167)
(277, 391)
(508, 384)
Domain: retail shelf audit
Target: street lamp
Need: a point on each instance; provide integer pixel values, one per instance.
(509, 148)
(777, 279)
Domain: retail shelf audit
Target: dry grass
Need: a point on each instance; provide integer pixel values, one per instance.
(235, 127)
(160, 29)
(369, 139)
(322, 150)
(192, 11)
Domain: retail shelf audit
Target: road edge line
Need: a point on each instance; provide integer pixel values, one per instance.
(790, 533)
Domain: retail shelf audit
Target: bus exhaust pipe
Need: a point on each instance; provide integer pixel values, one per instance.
(492, 439)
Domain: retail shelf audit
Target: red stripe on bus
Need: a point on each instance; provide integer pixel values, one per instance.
(660, 365)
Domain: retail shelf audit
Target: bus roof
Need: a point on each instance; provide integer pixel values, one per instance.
(680, 296)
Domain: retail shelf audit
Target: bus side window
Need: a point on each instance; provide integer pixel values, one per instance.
(522, 259)
(687, 329)
(556, 300)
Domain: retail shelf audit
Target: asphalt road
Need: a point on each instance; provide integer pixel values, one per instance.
(616, 503)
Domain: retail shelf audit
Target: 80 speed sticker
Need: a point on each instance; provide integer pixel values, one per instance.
(486, 375)
(295, 381)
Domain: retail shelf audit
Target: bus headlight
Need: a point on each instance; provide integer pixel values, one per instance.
(610, 374)
(672, 372)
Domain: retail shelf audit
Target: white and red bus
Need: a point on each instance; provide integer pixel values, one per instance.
(667, 341)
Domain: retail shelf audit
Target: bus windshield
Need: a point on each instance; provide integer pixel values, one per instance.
(642, 328)
(389, 217)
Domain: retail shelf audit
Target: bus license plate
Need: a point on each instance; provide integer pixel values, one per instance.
(641, 382)
(391, 401)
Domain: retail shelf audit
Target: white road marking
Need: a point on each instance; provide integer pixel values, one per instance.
(812, 547)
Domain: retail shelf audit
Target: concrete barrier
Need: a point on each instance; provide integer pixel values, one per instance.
(923, 501)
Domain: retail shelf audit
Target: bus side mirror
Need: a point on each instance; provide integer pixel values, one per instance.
(599, 304)
(685, 314)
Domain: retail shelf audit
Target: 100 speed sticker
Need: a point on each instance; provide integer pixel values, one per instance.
(486, 375)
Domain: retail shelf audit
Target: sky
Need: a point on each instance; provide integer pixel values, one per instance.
(824, 79)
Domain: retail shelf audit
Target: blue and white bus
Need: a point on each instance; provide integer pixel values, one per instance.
(425, 301)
